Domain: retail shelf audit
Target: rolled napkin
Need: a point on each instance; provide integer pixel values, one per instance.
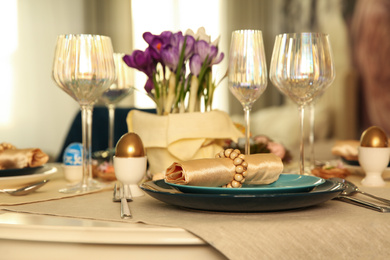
(13, 158)
(263, 168)
(347, 149)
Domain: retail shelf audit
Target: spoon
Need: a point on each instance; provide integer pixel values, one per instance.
(27, 189)
(351, 189)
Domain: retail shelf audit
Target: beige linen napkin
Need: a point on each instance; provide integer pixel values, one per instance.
(181, 137)
(21, 158)
(262, 169)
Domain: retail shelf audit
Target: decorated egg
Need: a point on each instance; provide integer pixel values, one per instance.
(73, 154)
(374, 136)
(130, 145)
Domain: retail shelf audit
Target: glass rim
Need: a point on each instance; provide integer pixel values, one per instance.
(321, 34)
(83, 35)
(247, 30)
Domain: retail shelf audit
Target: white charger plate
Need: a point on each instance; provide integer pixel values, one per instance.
(18, 181)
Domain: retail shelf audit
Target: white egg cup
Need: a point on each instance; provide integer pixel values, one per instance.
(73, 173)
(130, 171)
(374, 161)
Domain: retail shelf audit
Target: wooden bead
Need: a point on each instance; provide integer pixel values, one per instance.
(228, 152)
(237, 161)
(236, 184)
(233, 155)
(239, 169)
(240, 166)
(238, 177)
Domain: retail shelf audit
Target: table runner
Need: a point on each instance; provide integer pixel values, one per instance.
(331, 230)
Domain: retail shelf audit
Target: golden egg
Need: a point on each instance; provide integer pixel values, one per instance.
(130, 145)
(374, 136)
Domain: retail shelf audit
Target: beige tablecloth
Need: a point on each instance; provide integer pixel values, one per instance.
(331, 230)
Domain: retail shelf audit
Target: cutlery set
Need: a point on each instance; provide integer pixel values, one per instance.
(351, 189)
(120, 195)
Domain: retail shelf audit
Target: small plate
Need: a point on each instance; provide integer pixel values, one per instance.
(243, 203)
(40, 174)
(19, 172)
(287, 183)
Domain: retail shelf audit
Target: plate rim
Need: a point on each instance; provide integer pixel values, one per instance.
(25, 179)
(260, 190)
(264, 202)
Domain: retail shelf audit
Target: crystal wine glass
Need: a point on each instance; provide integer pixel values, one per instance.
(247, 72)
(84, 68)
(122, 86)
(302, 68)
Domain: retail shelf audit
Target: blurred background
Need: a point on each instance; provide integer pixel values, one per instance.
(34, 112)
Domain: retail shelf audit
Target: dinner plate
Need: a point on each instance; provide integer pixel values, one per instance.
(40, 174)
(242, 202)
(286, 183)
(18, 172)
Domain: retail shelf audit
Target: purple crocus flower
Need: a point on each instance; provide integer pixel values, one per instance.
(142, 61)
(157, 43)
(195, 64)
(149, 86)
(204, 50)
(171, 53)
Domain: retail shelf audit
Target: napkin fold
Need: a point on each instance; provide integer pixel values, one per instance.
(181, 137)
(262, 168)
(13, 158)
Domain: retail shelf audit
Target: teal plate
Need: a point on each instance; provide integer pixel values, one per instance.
(287, 183)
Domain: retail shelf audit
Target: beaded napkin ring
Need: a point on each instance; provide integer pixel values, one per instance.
(240, 164)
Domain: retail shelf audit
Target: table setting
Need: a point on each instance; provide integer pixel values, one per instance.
(177, 168)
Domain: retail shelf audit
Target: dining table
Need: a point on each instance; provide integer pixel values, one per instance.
(48, 224)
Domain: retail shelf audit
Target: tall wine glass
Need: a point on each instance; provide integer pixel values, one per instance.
(122, 86)
(302, 68)
(247, 72)
(84, 68)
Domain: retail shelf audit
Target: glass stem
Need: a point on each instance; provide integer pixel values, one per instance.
(302, 153)
(247, 111)
(86, 124)
(111, 120)
(311, 137)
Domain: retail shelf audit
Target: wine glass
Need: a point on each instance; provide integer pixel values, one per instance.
(302, 68)
(84, 68)
(247, 72)
(122, 86)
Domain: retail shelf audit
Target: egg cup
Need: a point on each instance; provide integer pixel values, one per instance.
(73, 174)
(130, 171)
(374, 161)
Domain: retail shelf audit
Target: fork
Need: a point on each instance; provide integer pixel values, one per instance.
(119, 196)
